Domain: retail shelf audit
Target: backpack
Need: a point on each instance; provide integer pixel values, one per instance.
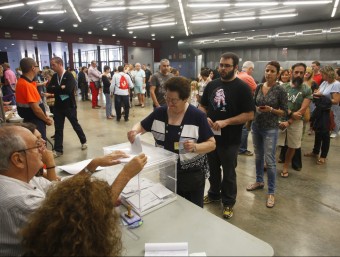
(123, 84)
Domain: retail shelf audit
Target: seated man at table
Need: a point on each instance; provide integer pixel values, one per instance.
(21, 193)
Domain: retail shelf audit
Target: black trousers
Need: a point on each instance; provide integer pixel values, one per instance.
(119, 101)
(296, 161)
(59, 121)
(322, 140)
(84, 91)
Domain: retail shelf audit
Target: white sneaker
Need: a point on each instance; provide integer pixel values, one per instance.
(84, 146)
(333, 135)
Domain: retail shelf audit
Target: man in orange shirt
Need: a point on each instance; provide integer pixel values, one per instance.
(245, 75)
(29, 103)
(317, 74)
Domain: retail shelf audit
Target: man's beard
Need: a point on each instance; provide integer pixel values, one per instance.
(227, 75)
(297, 81)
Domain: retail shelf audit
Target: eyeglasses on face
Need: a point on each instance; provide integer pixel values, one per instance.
(226, 65)
(40, 146)
(172, 100)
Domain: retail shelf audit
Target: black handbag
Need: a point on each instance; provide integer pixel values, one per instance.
(97, 84)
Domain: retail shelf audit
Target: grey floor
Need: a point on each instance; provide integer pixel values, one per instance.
(306, 218)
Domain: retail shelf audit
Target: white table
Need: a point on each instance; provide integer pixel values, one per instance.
(182, 221)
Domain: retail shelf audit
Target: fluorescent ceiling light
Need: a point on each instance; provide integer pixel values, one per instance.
(144, 7)
(40, 21)
(207, 5)
(138, 27)
(121, 8)
(240, 19)
(306, 2)
(205, 21)
(163, 24)
(264, 4)
(107, 9)
(39, 2)
(52, 12)
(10, 6)
(278, 16)
(183, 17)
(74, 10)
(336, 3)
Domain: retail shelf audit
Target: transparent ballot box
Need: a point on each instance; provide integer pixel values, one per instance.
(154, 186)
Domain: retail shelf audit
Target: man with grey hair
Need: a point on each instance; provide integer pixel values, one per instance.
(157, 88)
(21, 192)
(245, 75)
(139, 79)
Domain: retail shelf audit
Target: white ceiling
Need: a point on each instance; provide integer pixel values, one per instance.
(117, 22)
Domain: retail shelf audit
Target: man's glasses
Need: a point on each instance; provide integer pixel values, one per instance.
(40, 146)
(172, 100)
(222, 65)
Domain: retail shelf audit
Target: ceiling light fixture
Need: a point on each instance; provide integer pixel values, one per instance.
(121, 8)
(153, 34)
(240, 19)
(256, 4)
(30, 27)
(113, 35)
(40, 21)
(62, 30)
(336, 3)
(163, 24)
(10, 6)
(278, 16)
(172, 36)
(39, 2)
(207, 5)
(134, 36)
(104, 29)
(153, 38)
(90, 32)
(75, 25)
(138, 27)
(52, 12)
(205, 21)
(183, 17)
(74, 10)
(306, 2)
(130, 32)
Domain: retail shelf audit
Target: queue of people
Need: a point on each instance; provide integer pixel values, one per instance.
(201, 122)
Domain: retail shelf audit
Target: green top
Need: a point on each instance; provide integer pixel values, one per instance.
(296, 95)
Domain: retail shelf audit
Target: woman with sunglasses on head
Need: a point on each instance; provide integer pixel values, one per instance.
(183, 129)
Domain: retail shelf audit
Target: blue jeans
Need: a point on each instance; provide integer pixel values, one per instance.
(244, 140)
(108, 105)
(264, 141)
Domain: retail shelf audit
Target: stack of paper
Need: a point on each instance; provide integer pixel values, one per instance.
(166, 249)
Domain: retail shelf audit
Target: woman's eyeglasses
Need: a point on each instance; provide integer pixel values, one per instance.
(172, 100)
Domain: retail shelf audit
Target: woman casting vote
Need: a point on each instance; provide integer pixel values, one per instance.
(183, 129)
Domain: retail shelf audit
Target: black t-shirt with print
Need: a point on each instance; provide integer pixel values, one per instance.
(224, 100)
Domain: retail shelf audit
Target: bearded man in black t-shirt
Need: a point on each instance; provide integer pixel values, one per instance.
(229, 104)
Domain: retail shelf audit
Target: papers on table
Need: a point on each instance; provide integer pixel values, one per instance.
(150, 194)
(75, 168)
(166, 249)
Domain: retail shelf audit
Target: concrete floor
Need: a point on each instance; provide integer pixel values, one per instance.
(306, 218)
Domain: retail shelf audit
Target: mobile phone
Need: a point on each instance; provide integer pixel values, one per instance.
(262, 107)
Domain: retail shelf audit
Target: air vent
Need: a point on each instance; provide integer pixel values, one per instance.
(100, 41)
(134, 43)
(34, 36)
(117, 42)
(286, 34)
(59, 38)
(80, 40)
(148, 44)
(7, 35)
(241, 38)
(261, 37)
(335, 30)
(311, 32)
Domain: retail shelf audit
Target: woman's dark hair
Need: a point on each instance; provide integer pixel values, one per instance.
(106, 68)
(275, 64)
(283, 72)
(205, 73)
(180, 85)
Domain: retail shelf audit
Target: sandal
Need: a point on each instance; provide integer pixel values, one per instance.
(270, 201)
(256, 185)
(321, 161)
(284, 174)
(311, 154)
